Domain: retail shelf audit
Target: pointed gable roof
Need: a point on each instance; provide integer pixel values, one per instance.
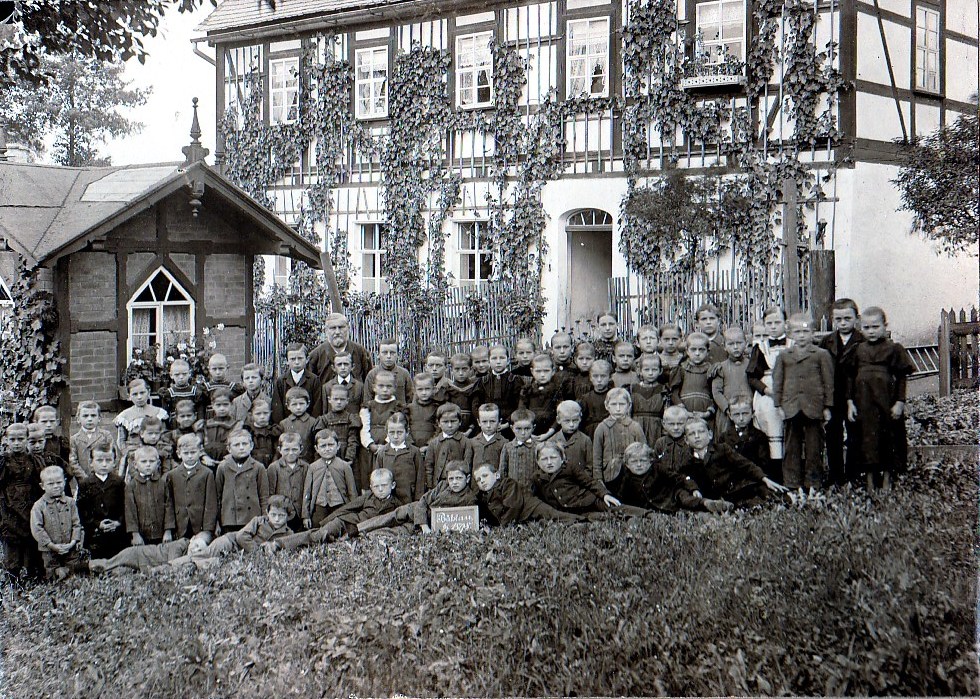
(49, 211)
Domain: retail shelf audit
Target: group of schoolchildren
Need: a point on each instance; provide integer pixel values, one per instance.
(339, 447)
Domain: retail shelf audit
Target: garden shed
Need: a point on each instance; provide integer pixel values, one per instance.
(139, 256)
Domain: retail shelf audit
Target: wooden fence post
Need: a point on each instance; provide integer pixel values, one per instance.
(822, 284)
(944, 353)
(791, 253)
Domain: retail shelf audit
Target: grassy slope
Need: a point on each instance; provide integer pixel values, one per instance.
(842, 596)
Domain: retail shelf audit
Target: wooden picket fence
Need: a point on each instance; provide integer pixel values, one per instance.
(959, 350)
(468, 317)
(741, 295)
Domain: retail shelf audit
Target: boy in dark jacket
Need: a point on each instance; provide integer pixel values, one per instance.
(651, 487)
(744, 437)
(671, 450)
(504, 501)
(803, 388)
(721, 474)
(20, 488)
(146, 499)
(102, 502)
(566, 487)
(841, 344)
(191, 494)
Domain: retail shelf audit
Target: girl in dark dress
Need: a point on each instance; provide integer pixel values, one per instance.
(877, 374)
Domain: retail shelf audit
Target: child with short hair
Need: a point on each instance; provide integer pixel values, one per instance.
(671, 449)
(543, 395)
(374, 424)
(88, 415)
(35, 446)
(569, 488)
(689, 383)
(607, 336)
(647, 485)
(343, 367)
(803, 388)
(728, 377)
(404, 460)
(460, 388)
(576, 444)
(437, 363)
(841, 344)
(421, 411)
(758, 332)
(721, 474)
(388, 361)
(624, 359)
(253, 385)
(330, 483)
(517, 461)
(584, 358)
(192, 498)
(20, 488)
(489, 443)
(481, 363)
(185, 421)
(593, 401)
(182, 388)
(241, 483)
(878, 372)
(504, 501)
(708, 320)
(264, 530)
(220, 425)
(129, 420)
(744, 437)
(145, 494)
(55, 443)
(338, 418)
(524, 351)
(150, 435)
(501, 386)
(561, 349)
(287, 476)
(217, 378)
(768, 417)
(265, 436)
(102, 501)
(649, 397)
(56, 527)
(670, 353)
(647, 341)
(297, 376)
(448, 445)
(614, 434)
(299, 419)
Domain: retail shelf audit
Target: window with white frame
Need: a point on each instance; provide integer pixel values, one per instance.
(926, 48)
(283, 90)
(721, 26)
(6, 301)
(371, 83)
(373, 254)
(475, 253)
(161, 314)
(280, 271)
(474, 70)
(587, 51)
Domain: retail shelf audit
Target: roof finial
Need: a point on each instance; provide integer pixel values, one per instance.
(3, 144)
(195, 151)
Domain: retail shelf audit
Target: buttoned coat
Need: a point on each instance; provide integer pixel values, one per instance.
(146, 505)
(803, 381)
(193, 501)
(243, 491)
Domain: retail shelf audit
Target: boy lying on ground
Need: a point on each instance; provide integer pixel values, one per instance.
(504, 501)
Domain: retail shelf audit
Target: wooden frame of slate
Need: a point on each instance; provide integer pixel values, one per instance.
(456, 519)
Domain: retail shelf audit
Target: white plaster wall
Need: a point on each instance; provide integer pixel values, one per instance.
(926, 119)
(877, 117)
(871, 64)
(961, 70)
(561, 198)
(963, 16)
(880, 263)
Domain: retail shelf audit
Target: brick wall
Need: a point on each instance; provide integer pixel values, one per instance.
(224, 286)
(8, 267)
(92, 366)
(92, 285)
(141, 227)
(136, 264)
(233, 343)
(186, 264)
(182, 226)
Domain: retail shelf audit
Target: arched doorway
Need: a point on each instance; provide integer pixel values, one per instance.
(589, 263)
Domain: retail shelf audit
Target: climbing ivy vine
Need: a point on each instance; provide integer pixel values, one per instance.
(419, 193)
